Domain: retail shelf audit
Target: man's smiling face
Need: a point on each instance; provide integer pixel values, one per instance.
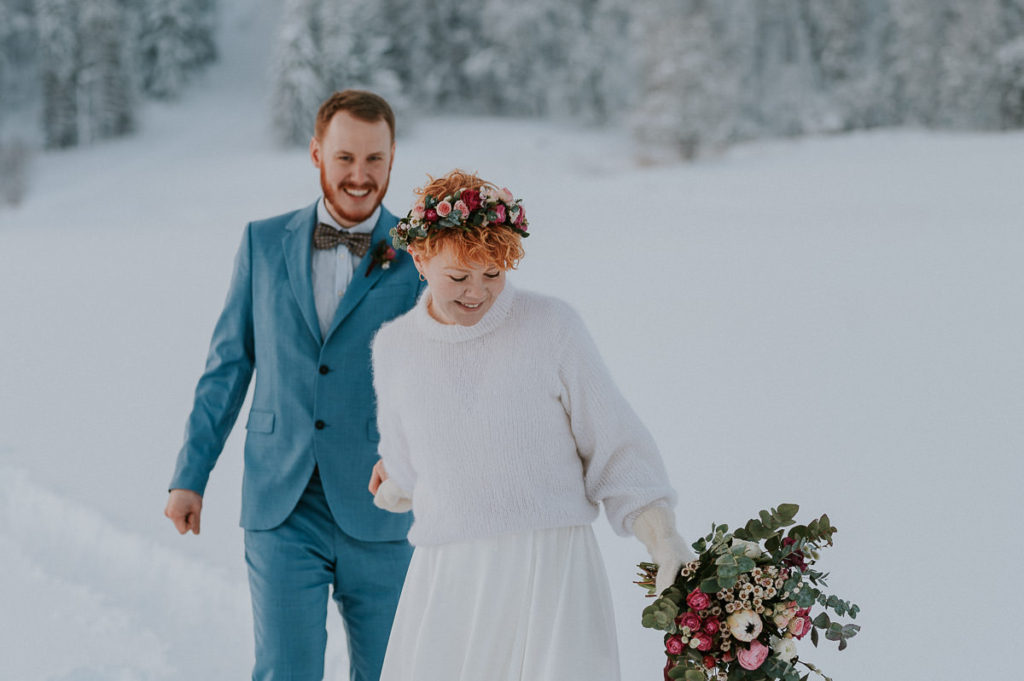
(354, 157)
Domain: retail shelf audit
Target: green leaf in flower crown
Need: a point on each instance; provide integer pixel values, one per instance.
(854, 609)
(834, 631)
(745, 564)
(694, 675)
(710, 585)
(850, 630)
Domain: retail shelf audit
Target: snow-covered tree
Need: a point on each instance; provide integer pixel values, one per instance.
(106, 88)
(175, 39)
(298, 84)
(688, 95)
(968, 94)
(356, 49)
(56, 22)
(1010, 83)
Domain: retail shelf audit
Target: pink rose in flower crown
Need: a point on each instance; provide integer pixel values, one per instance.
(417, 211)
(471, 198)
(800, 624)
(704, 641)
(505, 195)
(674, 645)
(444, 208)
(499, 212)
(698, 600)
(690, 620)
(712, 625)
(430, 215)
(754, 656)
(709, 661)
(520, 220)
(463, 209)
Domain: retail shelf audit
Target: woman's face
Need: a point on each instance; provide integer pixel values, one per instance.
(461, 293)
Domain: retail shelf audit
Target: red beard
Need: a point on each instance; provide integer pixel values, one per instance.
(335, 196)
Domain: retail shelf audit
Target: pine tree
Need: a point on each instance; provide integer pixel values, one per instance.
(356, 49)
(299, 87)
(1010, 83)
(106, 93)
(686, 99)
(968, 93)
(56, 21)
(175, 40)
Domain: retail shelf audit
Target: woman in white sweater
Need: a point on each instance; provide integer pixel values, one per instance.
(502, 430)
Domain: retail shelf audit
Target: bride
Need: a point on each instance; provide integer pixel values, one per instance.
(502, 430)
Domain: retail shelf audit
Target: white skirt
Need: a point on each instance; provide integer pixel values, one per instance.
(533, 606)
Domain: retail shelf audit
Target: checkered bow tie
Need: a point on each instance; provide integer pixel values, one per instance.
(326, 236)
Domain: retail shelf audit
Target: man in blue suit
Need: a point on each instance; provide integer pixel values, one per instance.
(310, 288)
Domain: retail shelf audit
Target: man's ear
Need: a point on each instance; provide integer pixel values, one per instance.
(314, 151)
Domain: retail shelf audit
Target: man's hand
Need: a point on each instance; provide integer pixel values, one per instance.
(183, 508)
(378, 476)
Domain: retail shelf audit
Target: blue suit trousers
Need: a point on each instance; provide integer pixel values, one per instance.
(292, 569)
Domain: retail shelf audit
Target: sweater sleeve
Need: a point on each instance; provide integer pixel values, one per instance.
(393, 448)
(622, 466)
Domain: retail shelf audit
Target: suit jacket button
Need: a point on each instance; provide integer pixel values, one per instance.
(319, 424)
(324, 369)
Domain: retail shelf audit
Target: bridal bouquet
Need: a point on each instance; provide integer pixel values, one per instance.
(737, 611)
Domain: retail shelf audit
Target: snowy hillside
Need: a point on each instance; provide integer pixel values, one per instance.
(835, 321)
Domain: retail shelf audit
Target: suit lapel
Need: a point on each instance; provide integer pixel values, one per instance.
(361, 281)
(298, 245)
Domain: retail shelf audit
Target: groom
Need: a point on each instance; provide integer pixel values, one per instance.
(310, 288)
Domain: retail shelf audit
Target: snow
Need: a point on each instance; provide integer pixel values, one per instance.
(833, 321)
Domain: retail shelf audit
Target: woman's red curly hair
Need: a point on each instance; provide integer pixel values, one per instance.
(499, 246)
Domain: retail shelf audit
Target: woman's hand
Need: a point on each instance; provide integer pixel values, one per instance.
(378, 476)
(656, 529)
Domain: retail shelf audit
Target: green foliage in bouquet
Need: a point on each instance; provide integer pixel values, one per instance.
(736, 612)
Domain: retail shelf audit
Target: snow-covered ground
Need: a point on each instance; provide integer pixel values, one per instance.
(837, 322)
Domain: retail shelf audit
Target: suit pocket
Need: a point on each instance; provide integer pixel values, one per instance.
(371, 431)
(260, 421)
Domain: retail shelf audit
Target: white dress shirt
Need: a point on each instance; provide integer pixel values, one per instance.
(333, 268)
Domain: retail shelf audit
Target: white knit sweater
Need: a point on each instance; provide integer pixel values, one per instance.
(508, 425)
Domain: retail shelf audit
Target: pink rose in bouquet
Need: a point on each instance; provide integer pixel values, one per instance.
(674, 645)
(444, 208)
(704, 642)
(754, 656)
(471, 198)
(800, 624)
(690, 620)
(698, 600)
(712, 625)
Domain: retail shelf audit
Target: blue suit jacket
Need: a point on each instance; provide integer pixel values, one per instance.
(313, 402)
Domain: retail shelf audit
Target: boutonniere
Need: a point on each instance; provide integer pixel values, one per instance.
(382, 255)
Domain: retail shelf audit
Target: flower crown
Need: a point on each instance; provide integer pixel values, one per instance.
(465, 209)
